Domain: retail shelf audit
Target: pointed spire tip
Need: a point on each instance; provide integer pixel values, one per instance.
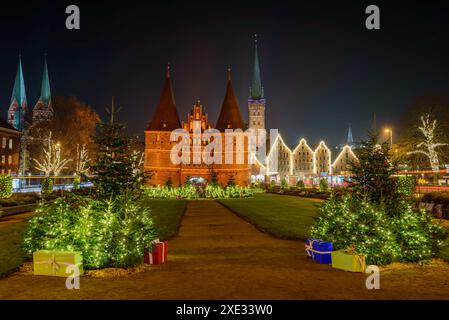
(168, 69)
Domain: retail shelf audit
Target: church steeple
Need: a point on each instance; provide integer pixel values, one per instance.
(230, 116)
(350, 140)
(256, 101)
(43, 109)
(18, 104)
(18, 92)
(166, 116)
(256, 90)
(45, 86)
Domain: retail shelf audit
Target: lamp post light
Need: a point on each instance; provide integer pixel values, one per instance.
(388, 130)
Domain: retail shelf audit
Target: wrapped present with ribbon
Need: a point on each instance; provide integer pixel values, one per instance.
(55, 263)
(157, 253)
(319, 250)
(349, 260)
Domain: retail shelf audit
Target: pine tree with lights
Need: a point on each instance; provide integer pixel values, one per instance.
(372, 175)
(113, 170)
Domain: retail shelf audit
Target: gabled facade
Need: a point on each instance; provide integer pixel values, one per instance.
(304, 163)
(323, 160)
(342, 164)
(279, 160)
(303, 160)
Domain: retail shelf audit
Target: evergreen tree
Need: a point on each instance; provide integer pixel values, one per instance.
(372, 174)
(113, 169)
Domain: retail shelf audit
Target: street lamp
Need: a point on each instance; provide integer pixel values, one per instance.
(388, 130)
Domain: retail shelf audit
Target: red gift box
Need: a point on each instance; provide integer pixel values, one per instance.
(158, 254)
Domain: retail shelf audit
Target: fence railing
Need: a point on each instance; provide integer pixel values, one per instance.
(33, 183)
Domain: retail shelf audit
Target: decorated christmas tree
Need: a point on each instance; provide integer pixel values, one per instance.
(113, 169)
(372, 174)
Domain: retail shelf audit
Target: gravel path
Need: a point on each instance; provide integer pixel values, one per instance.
(220, 256)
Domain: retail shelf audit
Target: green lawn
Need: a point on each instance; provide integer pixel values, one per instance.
(10, 240)
(444, 253)
(287, 217)
(167, 216)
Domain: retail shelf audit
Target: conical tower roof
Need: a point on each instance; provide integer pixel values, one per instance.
(230, 116)
(350, 139)
(166, 117)
(256, 84)
(45, 86)
(18, 92)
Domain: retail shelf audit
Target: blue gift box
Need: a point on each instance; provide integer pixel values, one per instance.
(319, 250)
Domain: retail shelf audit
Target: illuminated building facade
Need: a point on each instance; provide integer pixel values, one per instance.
(158, 146)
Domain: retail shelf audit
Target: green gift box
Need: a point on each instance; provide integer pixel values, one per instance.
(55, 263)
(348, 261)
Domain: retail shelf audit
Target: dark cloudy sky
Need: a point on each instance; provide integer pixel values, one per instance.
(321, 68)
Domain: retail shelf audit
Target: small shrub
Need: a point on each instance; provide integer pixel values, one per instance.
(5, 186)
(284, 184)
(324, 185)
(47, 187)
(300, 184)
(169, 183)
(76, 182)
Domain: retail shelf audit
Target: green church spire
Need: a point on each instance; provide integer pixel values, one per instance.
(256, 84)
(45, 86)
(350, 139)
(18, 92)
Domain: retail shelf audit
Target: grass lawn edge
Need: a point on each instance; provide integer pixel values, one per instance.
(261, 229)
(181, 217)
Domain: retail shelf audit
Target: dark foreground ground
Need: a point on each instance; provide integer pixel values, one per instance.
(217, 255)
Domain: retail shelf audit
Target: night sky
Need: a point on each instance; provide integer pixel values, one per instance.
(321, 68)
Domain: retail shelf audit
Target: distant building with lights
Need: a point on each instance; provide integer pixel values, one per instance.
(158, 146)
(307, 163)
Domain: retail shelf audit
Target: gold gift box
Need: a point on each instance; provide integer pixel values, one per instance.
(348, 261)
(55, 263)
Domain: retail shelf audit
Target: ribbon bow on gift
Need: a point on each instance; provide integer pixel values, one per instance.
(360, 258)
(54, 265)
(310, 251)
(153, 245)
